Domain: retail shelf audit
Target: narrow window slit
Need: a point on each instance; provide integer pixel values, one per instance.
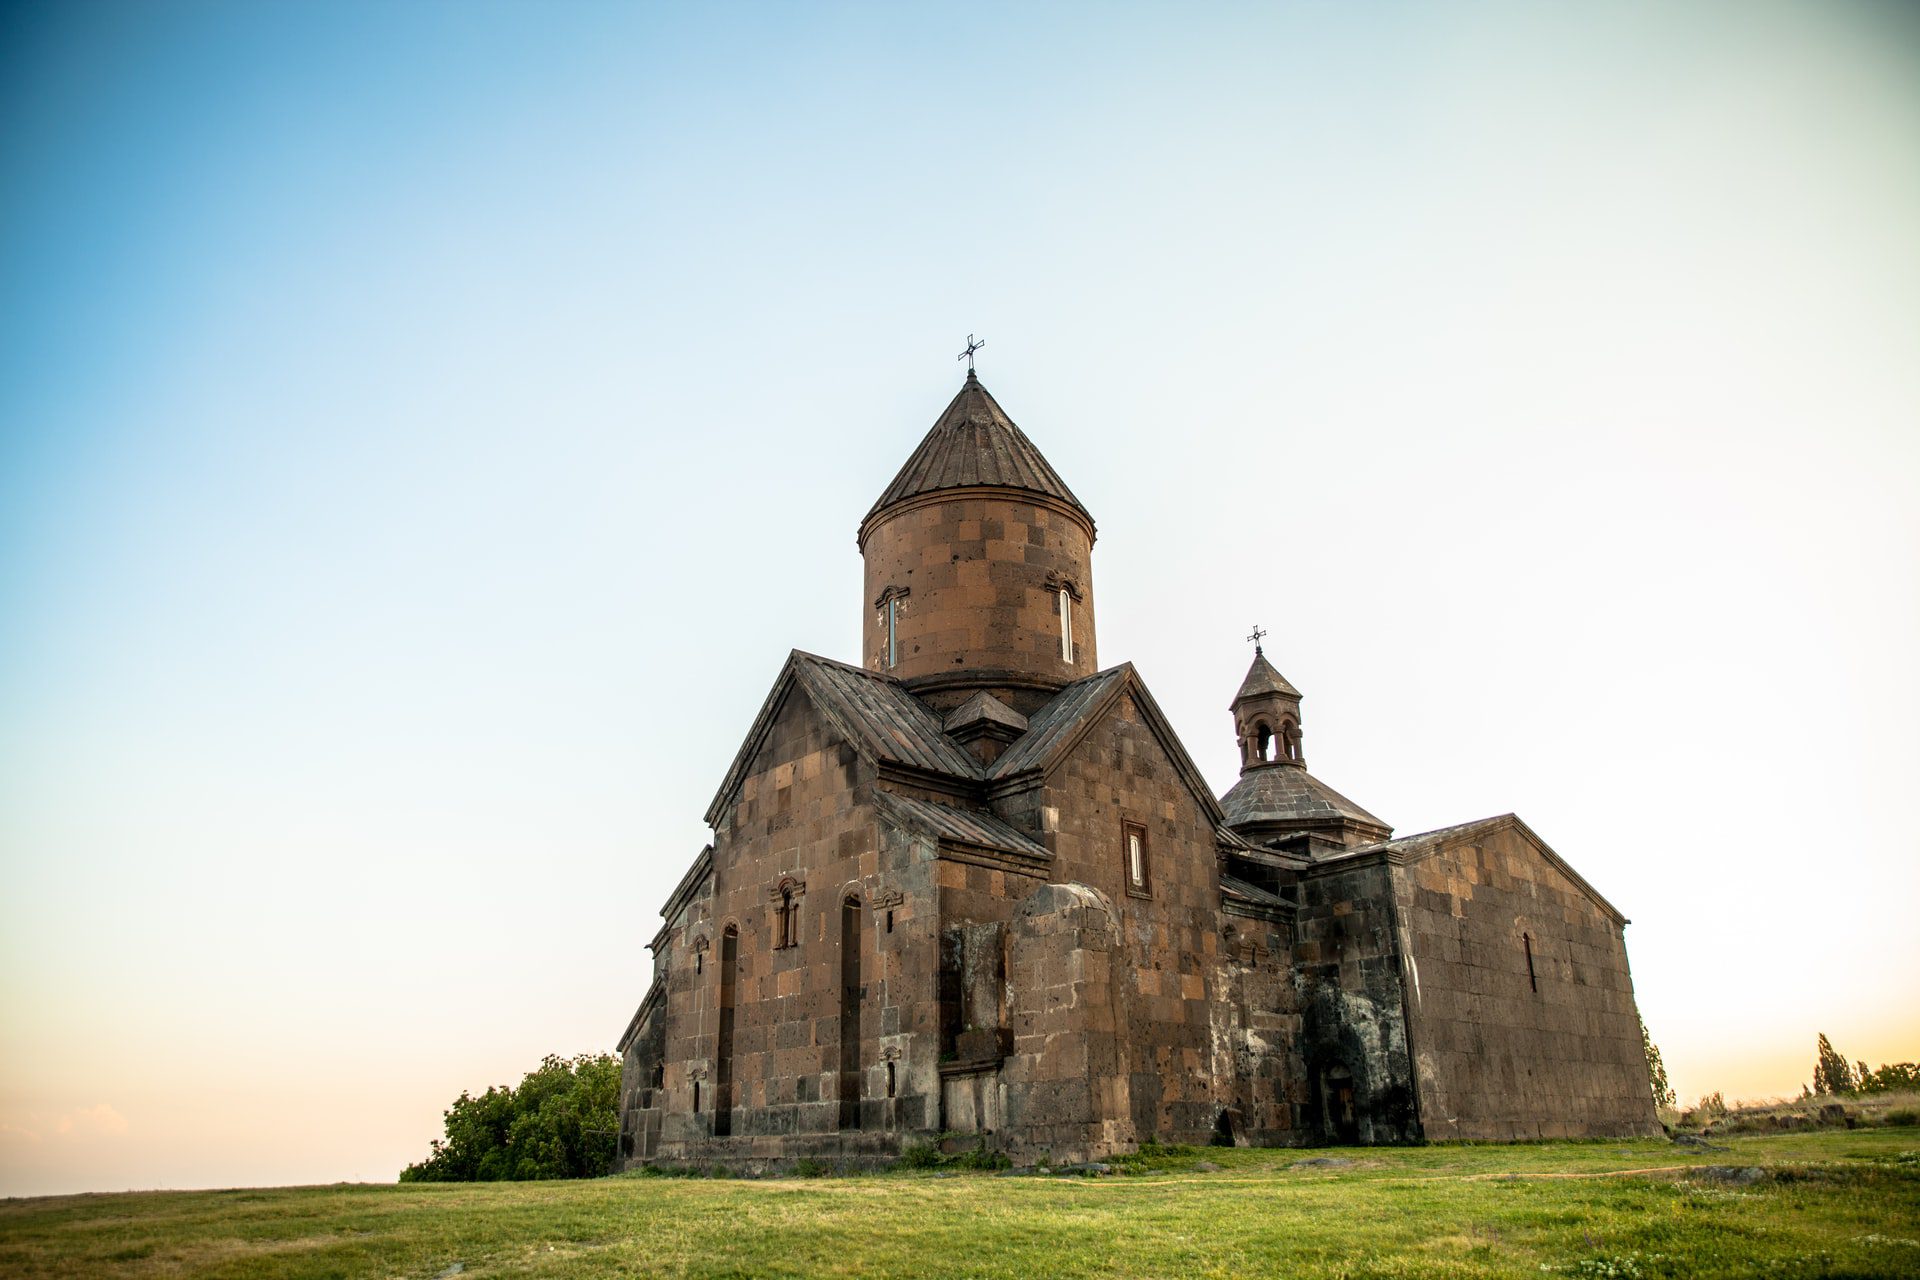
(1066, 625)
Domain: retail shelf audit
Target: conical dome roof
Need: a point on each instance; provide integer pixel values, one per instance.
(1262, 679)
(974, 443)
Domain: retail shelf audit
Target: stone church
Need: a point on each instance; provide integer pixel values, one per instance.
(975, 885)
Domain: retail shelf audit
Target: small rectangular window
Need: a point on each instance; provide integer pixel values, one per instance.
(1133, 838)
(1066, 625)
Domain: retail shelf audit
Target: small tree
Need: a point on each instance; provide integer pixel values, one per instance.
(1831, 1074)
(559, 1123)
(1663, 1095)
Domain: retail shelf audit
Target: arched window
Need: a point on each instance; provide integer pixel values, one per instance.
(1263, 741)
(1289, 740)
(787, 927)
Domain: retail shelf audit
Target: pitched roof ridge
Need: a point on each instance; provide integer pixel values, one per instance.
(1433, 839)
(1438, 833)
(964, 826)
(983, 706)
(883, 723)
(824, 661)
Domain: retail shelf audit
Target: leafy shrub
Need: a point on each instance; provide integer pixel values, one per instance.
(1892, 1077)
(919, 1155)
(560, 1122)
(1904, 1116)
(981, 1158)
(808, 1167)
(1663, 1095)
(928, 1155)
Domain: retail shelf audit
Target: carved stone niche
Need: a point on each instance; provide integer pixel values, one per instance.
(1244, 945)
(884, 898)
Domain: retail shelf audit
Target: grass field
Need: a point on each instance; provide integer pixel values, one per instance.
(1825, 1204)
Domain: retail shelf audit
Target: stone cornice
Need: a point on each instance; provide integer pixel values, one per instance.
(1004, 493)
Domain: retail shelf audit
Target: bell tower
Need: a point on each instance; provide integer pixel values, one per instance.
(979, 566)
(1266, 716)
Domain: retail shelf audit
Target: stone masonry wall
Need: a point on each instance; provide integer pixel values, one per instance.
(804, 819)
(1187, 1052)
(1356, 1073)
(981, 577)
(1500, 1056)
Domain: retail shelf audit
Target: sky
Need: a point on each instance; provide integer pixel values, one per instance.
(425, 429)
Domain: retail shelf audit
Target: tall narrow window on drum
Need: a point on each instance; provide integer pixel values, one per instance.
(1133, 837)
(1066, 625)
(893, 646)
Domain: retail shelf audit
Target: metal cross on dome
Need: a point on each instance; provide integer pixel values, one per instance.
(972, 347)
(1257, 636)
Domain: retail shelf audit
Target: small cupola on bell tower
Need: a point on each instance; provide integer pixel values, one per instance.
(1266, 715)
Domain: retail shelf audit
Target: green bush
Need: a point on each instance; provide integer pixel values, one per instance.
(928, 1155)
(1891, 1077)
(560, 1122)
(808, 1167)
(919, 1155)
(1904, 1116)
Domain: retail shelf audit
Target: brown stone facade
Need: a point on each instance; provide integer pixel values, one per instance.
(975, 886)
(972, 587)
(1522, 1016)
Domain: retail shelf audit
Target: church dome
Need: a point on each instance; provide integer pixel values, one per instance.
(975, 445)
(979, 566)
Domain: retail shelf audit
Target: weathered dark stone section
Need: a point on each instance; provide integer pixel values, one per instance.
(1359, 1073)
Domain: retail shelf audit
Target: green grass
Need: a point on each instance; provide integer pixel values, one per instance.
(1831, 1204)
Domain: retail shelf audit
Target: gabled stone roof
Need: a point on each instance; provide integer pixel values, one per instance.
(1069, 713)
(1262, 679)
(873, 712)
(984, 709)
(1288, 793)
(1056, 728)
(1427, 843)
(1233, 887)
(962, 826)
(974, 443)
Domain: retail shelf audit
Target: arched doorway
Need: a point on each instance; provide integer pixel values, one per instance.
(1341, 1118)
